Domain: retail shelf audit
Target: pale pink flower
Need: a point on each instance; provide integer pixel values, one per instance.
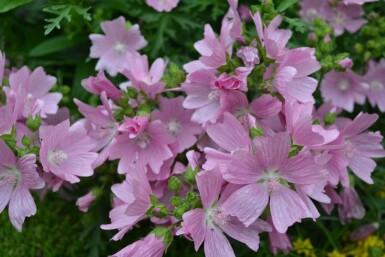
(249, 55)
(132, 200)
(210, 96)
(292, 75)
(344, 17)
(374, 82)
(116, 48)
(312, 9)
(178, 122)
(100, 83)
(101, 126)
(17, 177)
(209, 223)
(67, 151)
(342, 89)
(32, 89)
(143, 143)
(360, 147)
(162, 5)
(265, 175)
(272, 38)
(144, 79)
(85, 201)
(360, 2)
(150, 246)
(334, 199)
(351, 206)
(7, 119)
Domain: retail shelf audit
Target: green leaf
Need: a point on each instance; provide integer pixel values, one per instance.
(286, 4)
(7, 5)
(52, 45)
(297, 24)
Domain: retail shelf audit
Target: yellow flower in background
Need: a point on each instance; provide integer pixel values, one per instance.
(304, 247)
(336, 253)
(364, 246)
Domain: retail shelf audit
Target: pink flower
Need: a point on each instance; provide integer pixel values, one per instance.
(67, 151)
(278, 241)
(145, 79)
(312, 9)
(7, 119)
(210, 96)
(374, 81)
(209, 223)
(272, 38)
(132, 200)
(292, 76)
(360, 147)
(162, 5)
(249, 55)
(84, 202)
(343, 89)
(267, 174)
(116, 48)
(97, 85)
(344, 17)
(17, 177)
(143, 143)
(351, 206)
(150, 246)
(360, 2)
(178, 122)
(346, 63)
(32, 89)
(213, 52)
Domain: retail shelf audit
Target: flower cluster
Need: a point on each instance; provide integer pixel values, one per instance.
(238, 149)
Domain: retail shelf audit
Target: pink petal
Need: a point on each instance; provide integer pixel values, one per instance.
(21, 206)
(209, 184)
(217, 245)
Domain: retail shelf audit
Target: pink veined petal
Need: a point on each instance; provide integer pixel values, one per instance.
(362, 122)
(266, 106)
(302, 169)
(157, 69)
(272, 151)
(216, 244)
(286, 208)
(194, 224)
(247, 203)
(5, 194)
(209, 184)
(247, 235)
(243, 169)
(21, 205)
(362, 167)
(7, 158)
(230, 135)
(27, 166)
(302, 89)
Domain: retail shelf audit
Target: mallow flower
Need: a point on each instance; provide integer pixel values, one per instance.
(116, 48)
(17, 177)
(266, 174)
(67, 151)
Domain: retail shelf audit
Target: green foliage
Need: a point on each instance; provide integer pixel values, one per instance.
(6, 5)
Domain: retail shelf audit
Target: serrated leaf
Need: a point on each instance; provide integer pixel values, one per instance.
(296, 24)
(7, 5)
(286, 4)
(52, 45)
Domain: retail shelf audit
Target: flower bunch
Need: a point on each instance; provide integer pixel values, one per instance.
(235, 147)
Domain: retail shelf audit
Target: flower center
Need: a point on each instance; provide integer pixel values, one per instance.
(376, 86)
(271, 180)
(57, 157)
(12, 176)
(349, 148)
(143, 141)
(174, 126)
(119, 47)
(343, 85)
(218, 217)
(214, 95)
